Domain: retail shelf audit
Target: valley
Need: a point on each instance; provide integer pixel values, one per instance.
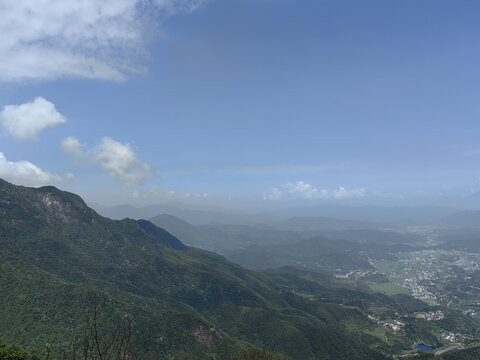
(424, 263)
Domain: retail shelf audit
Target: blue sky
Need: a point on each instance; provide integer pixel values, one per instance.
(234, 102)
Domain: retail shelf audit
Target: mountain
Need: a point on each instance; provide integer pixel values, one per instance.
(58, 254)
(342, 251)
(224, 239)
(314, 254)
(193, 216)
(229, 239)
(181, 229)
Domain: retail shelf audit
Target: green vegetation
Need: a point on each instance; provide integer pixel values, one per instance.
(472, 353)
(15, 352)
(185, 303)
(257, 354)
(467, 354)
(316, 254)
(389, 288)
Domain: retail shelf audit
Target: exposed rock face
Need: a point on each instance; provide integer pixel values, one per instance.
(59, 207)
(55, 207)
(206, 337)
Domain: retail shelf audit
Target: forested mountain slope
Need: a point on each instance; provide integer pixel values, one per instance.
(58, 254)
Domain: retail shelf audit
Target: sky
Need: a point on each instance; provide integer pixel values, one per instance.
(243, 103)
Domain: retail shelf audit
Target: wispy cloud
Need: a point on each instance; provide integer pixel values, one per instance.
(303, 190)
(72, 146)
(342, 193)
(274, 194)
(27, 120)
(196, 195)
(28, 174)
(118, 160)
(45, 39)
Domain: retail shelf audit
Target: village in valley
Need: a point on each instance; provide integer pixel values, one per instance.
(444, 279)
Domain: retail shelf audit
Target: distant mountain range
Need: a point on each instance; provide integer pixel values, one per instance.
(193, 216)
(367, 216)
(224, 239)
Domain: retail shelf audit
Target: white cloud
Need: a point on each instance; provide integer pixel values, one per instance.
(72, 146)
(343, 193)
(170, 193)
(28, 174)
(306, 191)
(26, 120)
(274, 194)
(118, 160)
(45, 39)
(179, 5)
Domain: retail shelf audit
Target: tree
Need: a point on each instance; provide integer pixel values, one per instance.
(102, 337)
(15, 352)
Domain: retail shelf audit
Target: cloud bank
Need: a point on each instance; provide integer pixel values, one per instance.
(28, 174)
(118, 160)
(27, 120)
(47, 39)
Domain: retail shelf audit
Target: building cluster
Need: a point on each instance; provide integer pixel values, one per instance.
(419, 291)
(449, 337)
(430, 315)
(396, 325)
